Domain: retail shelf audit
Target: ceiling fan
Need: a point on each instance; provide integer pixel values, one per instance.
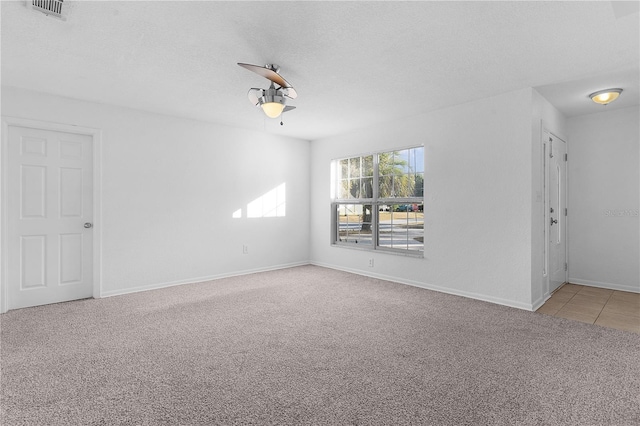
(271, 100)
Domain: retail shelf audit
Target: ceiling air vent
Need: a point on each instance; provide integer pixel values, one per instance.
(49, 7)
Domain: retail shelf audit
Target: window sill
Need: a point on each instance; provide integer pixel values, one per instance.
(414, 254)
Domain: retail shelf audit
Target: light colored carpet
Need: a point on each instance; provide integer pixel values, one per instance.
(310, 345)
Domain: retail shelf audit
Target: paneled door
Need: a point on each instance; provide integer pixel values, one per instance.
(49, 214)
(556, 227)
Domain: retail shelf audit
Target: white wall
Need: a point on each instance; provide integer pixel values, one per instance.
(170, 187)
(544, 116)
(604, 247)
(478, 204)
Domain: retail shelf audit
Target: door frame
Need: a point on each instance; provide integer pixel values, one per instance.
(546, 214)
(96, 136)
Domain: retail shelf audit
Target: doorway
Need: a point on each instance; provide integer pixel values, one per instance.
(555, 216)
(48, 210)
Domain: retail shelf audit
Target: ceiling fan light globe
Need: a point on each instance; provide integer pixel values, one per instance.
(272, 109)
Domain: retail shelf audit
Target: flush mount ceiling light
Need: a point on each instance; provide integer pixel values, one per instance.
(603, 97)
(272, 100)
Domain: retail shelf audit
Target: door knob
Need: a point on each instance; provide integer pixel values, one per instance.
(553, 221)
(88, 225)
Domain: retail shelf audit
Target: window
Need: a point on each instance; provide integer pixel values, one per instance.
(378, 201)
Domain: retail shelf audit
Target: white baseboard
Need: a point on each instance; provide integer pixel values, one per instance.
(195, 280)
(541, 301)
(476, 296)
(611, 286)
(470, 295)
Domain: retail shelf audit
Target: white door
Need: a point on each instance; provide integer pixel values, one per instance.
(49, 213)
(556, 219)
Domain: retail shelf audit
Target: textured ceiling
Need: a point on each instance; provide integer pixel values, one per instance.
(352, 63)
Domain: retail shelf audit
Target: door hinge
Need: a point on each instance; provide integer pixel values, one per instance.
(566, 156)
(566, 267)
(565, 211)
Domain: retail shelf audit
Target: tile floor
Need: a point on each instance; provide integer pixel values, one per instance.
(600, 306)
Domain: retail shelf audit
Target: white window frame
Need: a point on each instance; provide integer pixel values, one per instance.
(376, 203)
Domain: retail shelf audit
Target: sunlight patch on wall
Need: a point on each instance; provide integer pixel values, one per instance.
(270, 204)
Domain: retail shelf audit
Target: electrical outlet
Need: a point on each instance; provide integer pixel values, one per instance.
(245, 249)
(371, 263)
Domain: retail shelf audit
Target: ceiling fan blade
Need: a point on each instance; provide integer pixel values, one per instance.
(269, 74)
(288, 108)
(290, 92)
(254, 95)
